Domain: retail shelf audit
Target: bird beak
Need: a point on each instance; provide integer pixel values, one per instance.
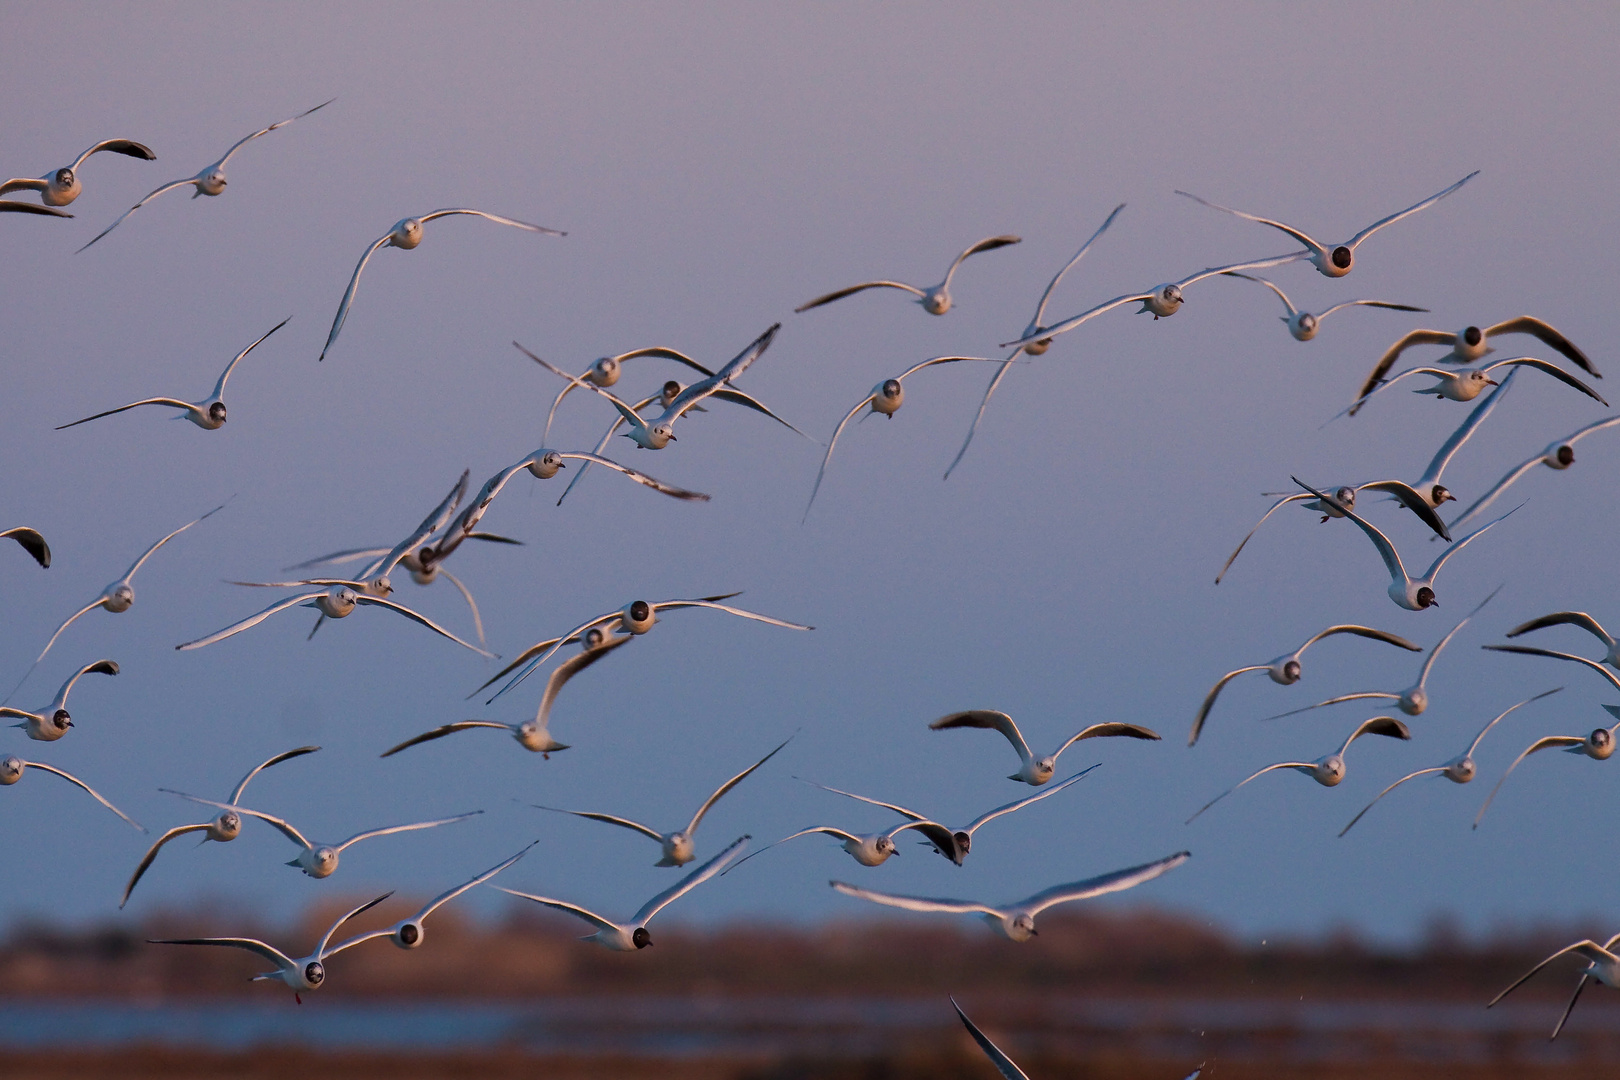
(1492, 382)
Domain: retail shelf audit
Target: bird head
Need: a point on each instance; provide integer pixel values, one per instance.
(641, 939)
(545, 464)
(11, 769)
(605, 372)
(408, 934)
(216, 412)
(638, 617)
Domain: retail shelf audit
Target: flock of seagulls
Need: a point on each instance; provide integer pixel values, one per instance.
(649, 423)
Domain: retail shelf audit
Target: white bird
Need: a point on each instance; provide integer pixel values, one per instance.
(11, 206)
(1423, 496)
(636, 617)
(1327, 770)
(1465, 384)
(1032, 770)
(1415, 698)
(1004, 1064)
(62, 186)
(534, 735)
(633, 935)
(31, 541)
(1602, 964)
(1016, 921)
(677, 846)
(409, 933)
(406, 234)
(318, 860)
(1599, 746)
(304, 974)
(1470, 343)
(935, 300)
(1578, 619)
(1161, 302)
(209, 413)
(955, 844)
(1459, 770)
(1302, 324)
(606, 371)
(210, 180)
(886, 398)
(1558, 456)
(1034, 348)
(222, 829)
(868, 849)
(1413, 594)
(1285, 670)
(53, 720)
(335, 601)
(1337, 260)
(11, 771)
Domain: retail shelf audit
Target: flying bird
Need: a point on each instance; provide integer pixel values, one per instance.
(11, 771)
(31, 541)
(1465, 384)
(1470, 343)
(1558, 456)
(409, 933)
(53, 719)
(1578, 619)
(868, 849)
(605, 372)
(1602, 964)
(62, 186)
(335, 601)
(1302, 324)
(1032, 770)
(935, 300)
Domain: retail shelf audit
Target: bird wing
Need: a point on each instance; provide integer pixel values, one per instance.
(1111, 730)
(562, 905)
(23, 183)
(170, 186)
(1073, 321)
(236, 792)
(607, 437)
(431, 524)
(688, 399)
(1289, 229)
(996, 721)
(174, 403)
(252, 945)
(1305, 766)
(1040, 308)
(70, 778)
(756, 616)
(338, 557)
(1386, 791)
(748, 401)
(100, 667)
(1366, 632)
(984, 403)
(219, 387)
(1501, 485)
(357, 837)
(348, 293)
(1378, 725)
(265, 131)
(639, 477)
(689, 882)
(915, 903)
(1392, 559)
(1274, 507)
(153, 549)
(1482, 731)
(466, 594)
(1365, 695)
(1545, 743)
(1551, 369)
(1118, 881)
(31, 541)
(377, 601)
(491, 217)
(1369, 303)
(902, 811)
(321, 951)
(1530, 650)
(88, 607)
(251, 621)
(1209, 699)
(1572, 618)
(445, 897)
(610, 819)
(1434, 568)
(1287, 303)
(1408, 212)
(270, 819)
(1408, 497)
(1256, 264)
(1449, 448)
(127, 147)
(831, 445)
(442, 731)
(1393, 353)
(542, 652)
(729, 784)
(839, 294)
(1525, 324)
(146, 861)
(987, 244)
(1004, 1064)
(1588, 950)
(991, 815)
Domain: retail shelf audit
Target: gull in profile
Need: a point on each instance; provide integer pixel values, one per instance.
(1413, 594)
(935, 300)
(209, 413)
(1470, 343)
(1016, 921)
(11, 771)
(1161, 302)
(1459, 770)
(677, 846)
(31, 541)
(605, 372)
(1578, 619)
(886, 398)
(1285, 670)
(409, 933)
(11, 206)
(1302, 324)
(1032, 770)
(321, 860)
(301, 975)
(1558, 456)
(1465, 384)
(62, 186)
(1327, 770)
(53, 720)
(222, 829)
(534, 735)
(1602, 964)
(406, 234)
(868, 849)
(1004, 1064)
(636, 617)
(211, 179)
(1336, 260)
(633, 935)
(955, 844)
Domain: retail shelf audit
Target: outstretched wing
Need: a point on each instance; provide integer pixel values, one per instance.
(265, 131)
(1449, 448)
(991, 815)
(1289, 229)
(1547, 742)
(729, 784)
(1386, 791)
(31, 541)
(1393, 353)
(492, 217)
(1530, 650)
(988, 244)
(236, 792)
(1408, 212)
(690, 881)
(991, 720)
(1118, 881)
(915, 903)
(1230, 559)
(70, 778)
(170, 186)
(562, 905)
(151, 854)
(1366, 632)
(414, 826)
(251, 621)
(853, 289)
(1408, 497)
(1434, 568)
(1112, 730)
(252, 945)
(1209, 699)
(219, 387)
(1572, 618)
(1525, 324)
(445, 897)
(1040, 308)
(831, 445)
(902, 811)
(1004, 1064)
(609, 819)
(173, 403)
(1551, 369)
(377, 601)
(348, 293)
(127, 147)
(441, 732)
(639, 477)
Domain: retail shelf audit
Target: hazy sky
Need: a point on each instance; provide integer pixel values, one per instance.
(714, 168)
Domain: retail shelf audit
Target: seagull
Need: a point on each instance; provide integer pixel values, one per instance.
(208, 414)
(886, 398)
(1470, 343)
(955, 844)
(320, 860)
(1304, 325)
(1423, 497)
(1336, 260)
(211, 179)
(1032, 770)
(1034, 348)
(935, 300)
(628, 937)
(1328, 770)
(1459, 770)
(62, 186)
(1016, 921)
(335, 601)
(53, 720)
(1574, 618)
(406, 234)
(11, 770)
(300, 975)
(534, 734)
(1598, 746)
(223, 829)
(636, 617)
(1602, 964)
(1414, 699)
(1413, 594)
(11, 206)
(677, 845)
(1004, 1064)
(31, 541)
(606, 371)
(1161, 302)
(868, 849)
(409, 933)
(1286, 669)
(1559, 456)
(1465, 384)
